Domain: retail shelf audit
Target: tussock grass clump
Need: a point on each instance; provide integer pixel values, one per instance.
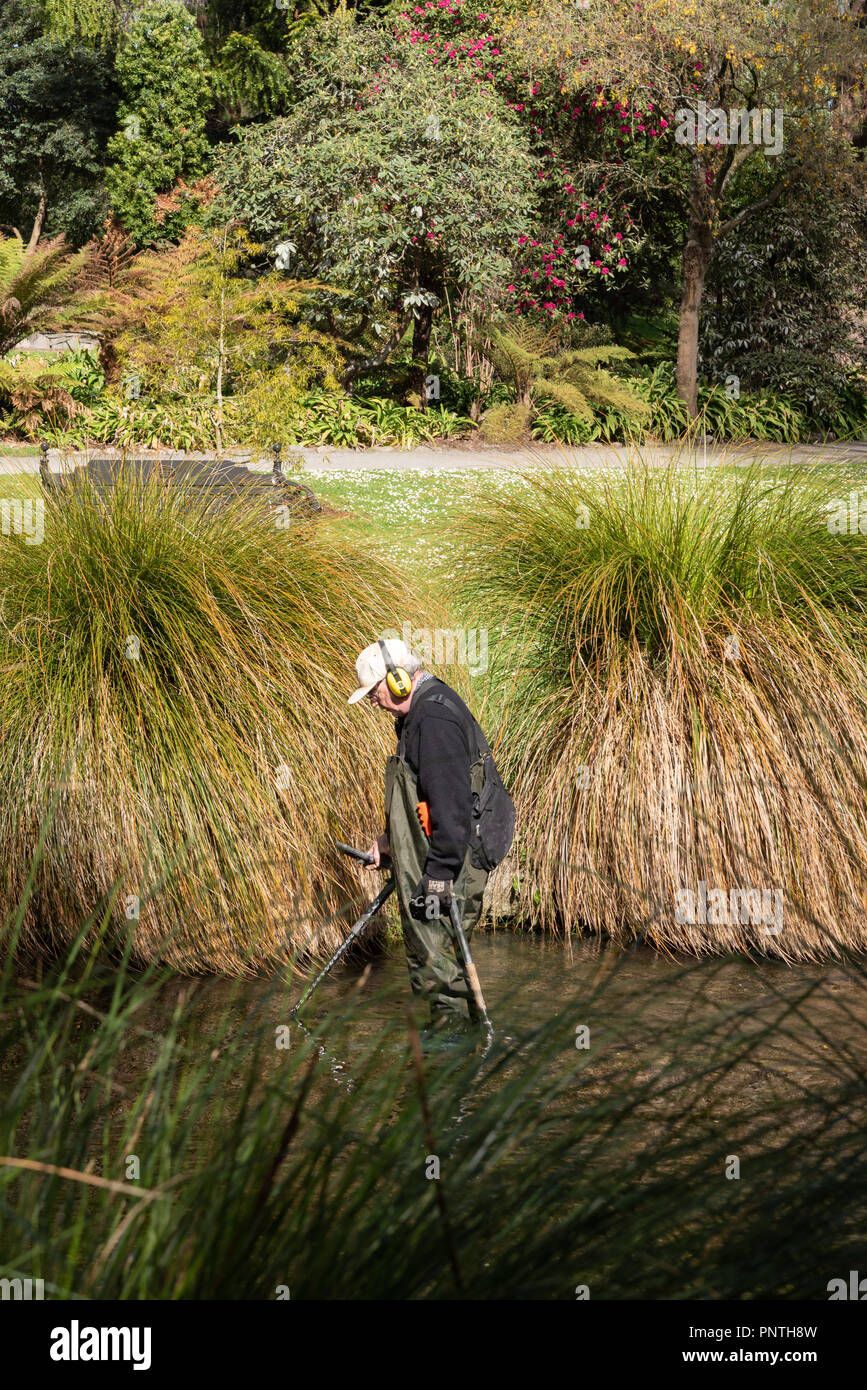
(173, 715)
(682, 665)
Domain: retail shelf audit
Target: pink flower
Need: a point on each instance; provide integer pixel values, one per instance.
(622, 261)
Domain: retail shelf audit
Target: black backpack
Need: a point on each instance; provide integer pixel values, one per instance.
(493, 826)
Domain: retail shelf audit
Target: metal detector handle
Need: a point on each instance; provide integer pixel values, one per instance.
(360, 854)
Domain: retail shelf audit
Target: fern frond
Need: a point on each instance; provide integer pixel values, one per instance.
(565, 393)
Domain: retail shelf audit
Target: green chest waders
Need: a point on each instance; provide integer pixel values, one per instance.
(434, 965)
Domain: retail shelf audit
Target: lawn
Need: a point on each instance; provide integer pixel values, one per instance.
(416, 508)
(409, 513)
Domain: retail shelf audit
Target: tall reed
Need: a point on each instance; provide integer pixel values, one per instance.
(153, 1145)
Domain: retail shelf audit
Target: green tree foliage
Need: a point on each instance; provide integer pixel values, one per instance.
(787, 57)
(786, 302)
(94, 21)
(57, 110)
(165, 98)
(397, 182)
(201, 322)
(249, 80)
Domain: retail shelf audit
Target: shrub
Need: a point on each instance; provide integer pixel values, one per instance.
(178, 423)
(173, 677)
(505, 424)
(353, 422)
(35, 393)
(33, 285)
(163, 81)
(686, 673)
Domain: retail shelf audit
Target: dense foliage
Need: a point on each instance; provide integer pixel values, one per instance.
(163, 82)
(57, 108)
(429, 172)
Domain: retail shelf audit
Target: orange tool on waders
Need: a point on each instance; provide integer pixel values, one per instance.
(423, 813)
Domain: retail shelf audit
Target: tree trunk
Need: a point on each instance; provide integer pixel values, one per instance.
(696, 258)
(365, 364)
(694, 269)
(39, 220)
(220, 360)
(421, 350)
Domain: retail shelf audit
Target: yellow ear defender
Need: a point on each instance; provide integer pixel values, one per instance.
(396, 678)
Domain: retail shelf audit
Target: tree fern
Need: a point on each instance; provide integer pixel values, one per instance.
(526, 354)
(31, 285)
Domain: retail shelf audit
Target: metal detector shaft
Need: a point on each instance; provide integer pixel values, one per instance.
(344, 946)
(360, 854)
(472, 973)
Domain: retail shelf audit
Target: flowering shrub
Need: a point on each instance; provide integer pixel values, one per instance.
(581, 245)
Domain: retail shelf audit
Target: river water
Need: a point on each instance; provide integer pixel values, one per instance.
(803, 1018)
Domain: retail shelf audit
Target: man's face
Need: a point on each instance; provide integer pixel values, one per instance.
(381, 698)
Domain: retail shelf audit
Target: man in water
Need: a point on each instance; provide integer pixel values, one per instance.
(428, 818)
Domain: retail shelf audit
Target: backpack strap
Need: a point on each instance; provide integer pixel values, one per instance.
(481, 741)
(439, 699)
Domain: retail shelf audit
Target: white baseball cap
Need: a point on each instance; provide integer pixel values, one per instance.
(371, 668)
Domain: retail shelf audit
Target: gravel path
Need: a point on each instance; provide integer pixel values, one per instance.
(452, 458)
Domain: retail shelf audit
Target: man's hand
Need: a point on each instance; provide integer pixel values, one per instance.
(380, 851)
(432, 898)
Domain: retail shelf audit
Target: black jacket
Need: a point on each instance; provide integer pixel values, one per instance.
(440, 747)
